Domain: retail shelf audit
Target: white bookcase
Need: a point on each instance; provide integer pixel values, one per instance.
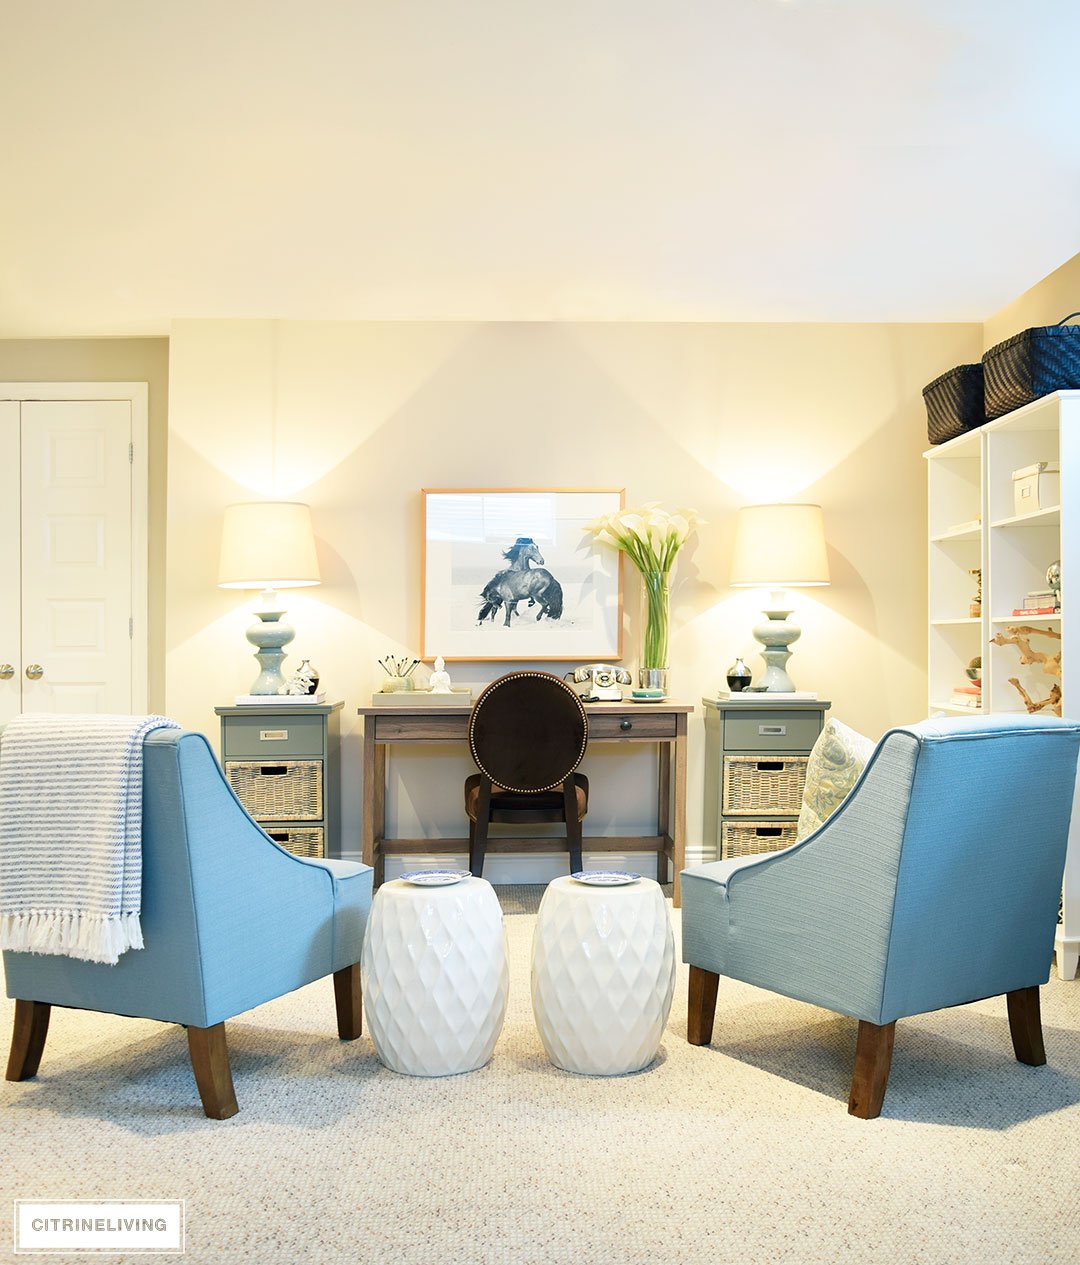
(972, 523)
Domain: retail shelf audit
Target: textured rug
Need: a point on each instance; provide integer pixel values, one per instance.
(742, 1152)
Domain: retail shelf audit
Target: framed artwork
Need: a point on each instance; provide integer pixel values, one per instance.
(512, 574)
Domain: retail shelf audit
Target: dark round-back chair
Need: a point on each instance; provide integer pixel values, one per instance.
(527, 734)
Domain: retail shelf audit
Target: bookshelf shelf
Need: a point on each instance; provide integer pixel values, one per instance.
(956, 535)
(949, 623)
(1049, 517)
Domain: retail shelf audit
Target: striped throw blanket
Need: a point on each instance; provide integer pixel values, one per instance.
(71, 834)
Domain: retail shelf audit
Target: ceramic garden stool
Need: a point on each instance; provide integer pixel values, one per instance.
(435, 976)
(603, 971)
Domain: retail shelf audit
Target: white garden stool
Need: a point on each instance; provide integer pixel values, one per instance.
(603, 974)
(435, 976)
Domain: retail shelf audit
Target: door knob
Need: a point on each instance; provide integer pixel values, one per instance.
(6, 671)
(34, 672)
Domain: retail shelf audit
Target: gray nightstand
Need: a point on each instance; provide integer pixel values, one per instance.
(284, 763)
(755, 766)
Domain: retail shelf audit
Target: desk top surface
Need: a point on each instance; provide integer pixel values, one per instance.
(627, 705)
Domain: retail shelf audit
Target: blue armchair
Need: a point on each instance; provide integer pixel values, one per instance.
(230, 920)
(935, 883)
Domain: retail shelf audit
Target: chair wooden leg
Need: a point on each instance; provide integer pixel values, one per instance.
(1025, 1025)
(573, 825)
(348, 998)
(873, 1058)
(28, 1039)
(478, 833)
(702, 1005)
(213, 1076)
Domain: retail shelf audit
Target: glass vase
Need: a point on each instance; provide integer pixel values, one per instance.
(656, 627)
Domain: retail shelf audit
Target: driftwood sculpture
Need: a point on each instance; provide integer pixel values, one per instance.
(1020, 636)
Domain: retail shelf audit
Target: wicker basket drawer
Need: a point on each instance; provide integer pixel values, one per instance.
(748, 838)
(291, 790)
(304, 841)
(755, 784)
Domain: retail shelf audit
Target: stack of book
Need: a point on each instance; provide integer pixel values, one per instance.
(968, 695)
(1038, 602)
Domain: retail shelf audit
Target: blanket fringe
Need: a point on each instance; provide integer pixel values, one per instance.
(88, 937)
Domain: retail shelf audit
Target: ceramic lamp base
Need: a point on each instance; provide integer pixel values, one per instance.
(776, 633)
(269, 634)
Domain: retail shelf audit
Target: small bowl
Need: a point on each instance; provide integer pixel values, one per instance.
(974, 674)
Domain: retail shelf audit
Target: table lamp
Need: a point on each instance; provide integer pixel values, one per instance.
(268, 545)
(778, 547)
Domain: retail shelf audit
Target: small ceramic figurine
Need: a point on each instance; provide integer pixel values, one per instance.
(1053, 580)
(975, 609)
(440, 678)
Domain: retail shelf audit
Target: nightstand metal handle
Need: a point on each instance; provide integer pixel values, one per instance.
(626, 725)
(273, 735)
(6, 671)
(766, 730)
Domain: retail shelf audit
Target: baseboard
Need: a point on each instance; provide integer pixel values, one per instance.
(534, 867)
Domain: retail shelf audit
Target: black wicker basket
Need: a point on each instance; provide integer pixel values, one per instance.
(954, 403)
(1030, 365)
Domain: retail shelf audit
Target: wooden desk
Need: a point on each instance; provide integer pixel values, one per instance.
(662, 723)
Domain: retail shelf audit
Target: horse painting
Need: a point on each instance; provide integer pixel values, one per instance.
(521, 582)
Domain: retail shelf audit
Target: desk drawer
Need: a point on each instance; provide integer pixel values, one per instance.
(638, 724)
(763, 731)
(273, 737)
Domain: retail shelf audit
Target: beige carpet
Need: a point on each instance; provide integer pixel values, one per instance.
(739, 1153)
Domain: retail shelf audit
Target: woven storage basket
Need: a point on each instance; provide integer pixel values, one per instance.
(755, 784)
(748, 838)
(303, 841)
(1032, 364)
(954, 403)
(291, 790)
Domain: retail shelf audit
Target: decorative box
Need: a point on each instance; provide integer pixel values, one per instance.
(1036, 487)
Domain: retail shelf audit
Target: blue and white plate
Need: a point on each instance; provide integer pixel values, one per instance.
(605, 878)
(434, 878)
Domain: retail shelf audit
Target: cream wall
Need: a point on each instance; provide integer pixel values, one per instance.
(355, 418)
(1055, 296)
(115, 360)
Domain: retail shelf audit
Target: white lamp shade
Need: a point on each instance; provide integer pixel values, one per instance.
(779, 546)
(268, 544)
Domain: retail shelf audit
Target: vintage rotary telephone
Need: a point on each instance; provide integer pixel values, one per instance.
(603, 679)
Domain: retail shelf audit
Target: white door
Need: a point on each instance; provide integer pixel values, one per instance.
(10, 564)
(76, 556)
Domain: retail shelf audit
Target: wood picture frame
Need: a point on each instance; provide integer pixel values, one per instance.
(511, 575)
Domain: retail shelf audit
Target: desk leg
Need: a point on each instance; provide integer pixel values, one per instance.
(678, 832)
(374, 807)
(663, 806)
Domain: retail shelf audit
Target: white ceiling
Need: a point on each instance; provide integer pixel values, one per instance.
(748, 160)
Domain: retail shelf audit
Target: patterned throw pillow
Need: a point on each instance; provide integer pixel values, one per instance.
(835, 763)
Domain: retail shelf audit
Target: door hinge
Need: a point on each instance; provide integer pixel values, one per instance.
(131, 454)
(131, 626)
